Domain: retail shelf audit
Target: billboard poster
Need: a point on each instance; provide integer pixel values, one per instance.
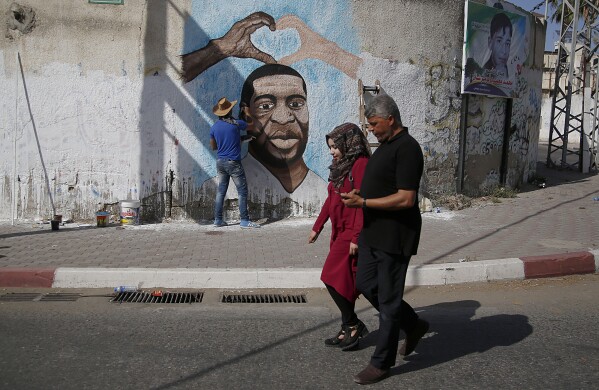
(495, 50)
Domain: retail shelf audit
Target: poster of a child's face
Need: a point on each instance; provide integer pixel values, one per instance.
(494, 50)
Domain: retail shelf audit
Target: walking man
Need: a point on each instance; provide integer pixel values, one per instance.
(225, 138)
(390, 234)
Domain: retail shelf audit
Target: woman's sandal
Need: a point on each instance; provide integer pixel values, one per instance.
(352, 336)
(336, 340)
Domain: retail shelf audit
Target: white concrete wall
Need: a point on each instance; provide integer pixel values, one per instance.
(85, 70)
(113, 120)
(576, 104)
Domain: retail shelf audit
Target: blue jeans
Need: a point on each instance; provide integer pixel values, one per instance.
(226, 169)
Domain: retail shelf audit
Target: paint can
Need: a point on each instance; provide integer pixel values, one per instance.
(102, 218)
(56, 221)
(130, 212)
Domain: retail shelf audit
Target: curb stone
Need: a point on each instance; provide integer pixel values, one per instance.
(529, 267)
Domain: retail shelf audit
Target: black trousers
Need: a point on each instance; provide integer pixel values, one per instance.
(347, 308)
(381, 278)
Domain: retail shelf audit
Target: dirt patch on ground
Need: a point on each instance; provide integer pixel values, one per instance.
(459, 201)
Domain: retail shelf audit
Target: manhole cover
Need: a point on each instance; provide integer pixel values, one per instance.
(39, 297)
(263, 298)
(165, 297)
(60, 297)
(19, 297)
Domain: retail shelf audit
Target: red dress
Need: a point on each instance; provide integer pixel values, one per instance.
(339, 270)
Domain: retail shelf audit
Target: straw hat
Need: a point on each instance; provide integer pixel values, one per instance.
(223, 107)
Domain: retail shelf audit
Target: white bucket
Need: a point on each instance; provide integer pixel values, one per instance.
(130, 212)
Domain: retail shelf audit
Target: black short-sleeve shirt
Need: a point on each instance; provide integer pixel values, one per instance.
(395, 165)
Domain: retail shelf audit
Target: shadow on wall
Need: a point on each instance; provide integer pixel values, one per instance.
(168, 167)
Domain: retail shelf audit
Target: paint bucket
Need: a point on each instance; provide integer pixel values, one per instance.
(130, 212)
(102, 218)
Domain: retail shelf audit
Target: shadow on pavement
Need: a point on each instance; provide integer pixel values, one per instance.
(552, 177)
(490, 234)
(455, 333)
(45, 231)
(299, 335)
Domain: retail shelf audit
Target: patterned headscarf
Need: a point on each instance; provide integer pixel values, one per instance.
(352, 143)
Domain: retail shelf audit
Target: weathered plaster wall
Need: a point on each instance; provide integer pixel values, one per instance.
(86, 70)
(113, 120)
(430, 39)
(486, 120)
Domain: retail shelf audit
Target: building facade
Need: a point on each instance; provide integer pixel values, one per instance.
(106, 103)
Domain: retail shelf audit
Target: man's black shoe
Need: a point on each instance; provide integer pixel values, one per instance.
(370, 375)
(412, 338)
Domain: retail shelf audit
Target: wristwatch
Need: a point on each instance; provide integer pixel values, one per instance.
(363, 203)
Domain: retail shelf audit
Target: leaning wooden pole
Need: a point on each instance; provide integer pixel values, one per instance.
(39, 148)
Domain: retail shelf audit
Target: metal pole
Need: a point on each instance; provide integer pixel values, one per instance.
(585, 68)
(556, 89)
(572, 60)
(39, 147)
(14, 172)
(594, 128)
(462, 141)
(546, 3)
(505, 149)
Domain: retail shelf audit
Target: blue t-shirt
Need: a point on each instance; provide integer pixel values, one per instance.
(228, 138)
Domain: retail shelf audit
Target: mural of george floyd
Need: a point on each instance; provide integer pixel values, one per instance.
(115, 102)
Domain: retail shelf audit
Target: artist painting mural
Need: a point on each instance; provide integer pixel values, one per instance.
(260, 60)
(495, 49)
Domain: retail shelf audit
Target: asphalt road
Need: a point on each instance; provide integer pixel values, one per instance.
(534, 334)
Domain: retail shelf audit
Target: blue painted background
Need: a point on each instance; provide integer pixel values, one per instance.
(331, 19)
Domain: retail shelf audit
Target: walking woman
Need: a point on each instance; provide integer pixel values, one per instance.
(350, 151)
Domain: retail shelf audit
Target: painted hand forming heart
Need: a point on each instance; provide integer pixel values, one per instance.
(289, 40)
(279, 43)
(313, 45)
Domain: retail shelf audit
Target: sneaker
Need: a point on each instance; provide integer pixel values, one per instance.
(248, 224)
(218, 223)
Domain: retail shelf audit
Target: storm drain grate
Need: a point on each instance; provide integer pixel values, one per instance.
(166, 297)
(60, 297)
(19, 297)
(263, 298)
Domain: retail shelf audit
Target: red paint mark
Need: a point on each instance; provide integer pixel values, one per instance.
(27, 277)
(557, 265)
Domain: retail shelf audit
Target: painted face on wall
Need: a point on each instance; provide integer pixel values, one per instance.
(280, 110)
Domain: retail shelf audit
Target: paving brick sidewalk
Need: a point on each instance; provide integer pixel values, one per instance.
(562, 218)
